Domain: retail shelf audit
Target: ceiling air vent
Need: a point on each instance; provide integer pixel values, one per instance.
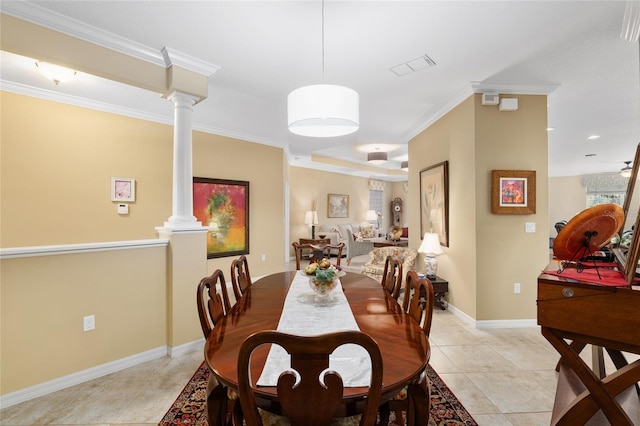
(490, 99)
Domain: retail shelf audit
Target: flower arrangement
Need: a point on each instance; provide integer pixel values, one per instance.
(322, 276)
(221, 209)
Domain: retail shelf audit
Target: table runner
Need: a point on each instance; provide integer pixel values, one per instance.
(302, 315)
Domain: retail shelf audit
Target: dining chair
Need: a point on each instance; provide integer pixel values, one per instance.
(418, 303)
(328, 251)
(317, 252)
(240, 276)
(392, 276)
(213, 304)
(299, 252)
(213, 301)
(315, 397)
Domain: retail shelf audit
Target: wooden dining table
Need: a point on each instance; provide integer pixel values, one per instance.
(404, 346)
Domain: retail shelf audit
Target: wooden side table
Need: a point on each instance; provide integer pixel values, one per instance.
(440, 287)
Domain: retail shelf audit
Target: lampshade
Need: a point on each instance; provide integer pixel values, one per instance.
(430, 245)
(323, 110)
(626, 170)
(311, 217)
(55, 73)
(377, 157)
(371, 215)
(404, 165)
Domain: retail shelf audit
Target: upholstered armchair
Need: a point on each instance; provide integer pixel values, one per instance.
(375, 266)
(357, 248)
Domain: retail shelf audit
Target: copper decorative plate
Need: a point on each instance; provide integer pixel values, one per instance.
(597, 224)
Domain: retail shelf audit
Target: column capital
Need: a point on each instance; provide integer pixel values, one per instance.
(178, 97)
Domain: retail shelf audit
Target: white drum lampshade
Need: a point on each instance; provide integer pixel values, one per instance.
(323, 110)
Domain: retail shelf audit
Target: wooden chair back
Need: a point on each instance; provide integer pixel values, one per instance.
(213, 301)
(317, 252)
(309, 402)
(418, 300)
(418, 303)
(240, 276)
(331, 249)
(298, 249)
(392, 276)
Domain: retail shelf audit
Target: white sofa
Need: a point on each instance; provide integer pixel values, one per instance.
(356, 236)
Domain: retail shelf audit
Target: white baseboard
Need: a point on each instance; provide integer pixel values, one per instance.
(176, 351)
(514, 323)
(45, 388)
(484, 324)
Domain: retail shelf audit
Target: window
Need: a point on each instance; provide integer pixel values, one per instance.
(375, 201)
(595, 198)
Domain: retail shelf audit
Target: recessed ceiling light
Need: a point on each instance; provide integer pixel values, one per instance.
(550, 129)
(593, 137)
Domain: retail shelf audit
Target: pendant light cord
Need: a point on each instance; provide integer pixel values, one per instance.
(323, 40)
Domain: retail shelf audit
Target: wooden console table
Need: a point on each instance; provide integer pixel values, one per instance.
(587, 313)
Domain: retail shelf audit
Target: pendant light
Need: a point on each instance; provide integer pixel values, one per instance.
(377, 157)
(404, 165)
(323, 110)
(626, 170)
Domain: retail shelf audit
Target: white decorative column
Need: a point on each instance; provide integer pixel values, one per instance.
(182, 199)
(187, 84)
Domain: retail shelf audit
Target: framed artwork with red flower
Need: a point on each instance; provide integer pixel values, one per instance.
(223, 206)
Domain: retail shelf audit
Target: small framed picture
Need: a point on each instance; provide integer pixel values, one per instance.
(513, 191)
(123, 189)
(337, 205)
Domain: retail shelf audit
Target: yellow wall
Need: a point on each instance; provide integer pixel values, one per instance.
(43, 300)
(567, 197)
(56, 168)
(309, 184)
(515, 140)
(488, 253)
(450, 139)
(55, 173)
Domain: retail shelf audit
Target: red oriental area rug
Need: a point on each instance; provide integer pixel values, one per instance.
(189, 409)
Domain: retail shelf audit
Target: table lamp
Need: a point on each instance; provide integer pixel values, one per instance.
(311, 218)
(431, 248)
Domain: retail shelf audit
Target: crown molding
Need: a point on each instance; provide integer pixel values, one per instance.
(455, 100)
(36, 92)
(183, 60)
(519, 89)
(37, 15)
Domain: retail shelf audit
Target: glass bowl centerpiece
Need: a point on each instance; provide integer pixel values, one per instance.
(323, 277)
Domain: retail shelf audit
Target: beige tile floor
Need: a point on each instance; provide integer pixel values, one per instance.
(502, 377)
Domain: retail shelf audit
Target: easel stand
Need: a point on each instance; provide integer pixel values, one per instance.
(580, 254)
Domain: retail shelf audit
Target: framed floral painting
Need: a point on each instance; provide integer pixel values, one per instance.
(223, 206)
(434, 201)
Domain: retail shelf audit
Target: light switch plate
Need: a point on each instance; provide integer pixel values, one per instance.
(530, 227)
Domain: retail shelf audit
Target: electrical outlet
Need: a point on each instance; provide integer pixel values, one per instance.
(264, 257)
(516, 288)
(89, 323)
